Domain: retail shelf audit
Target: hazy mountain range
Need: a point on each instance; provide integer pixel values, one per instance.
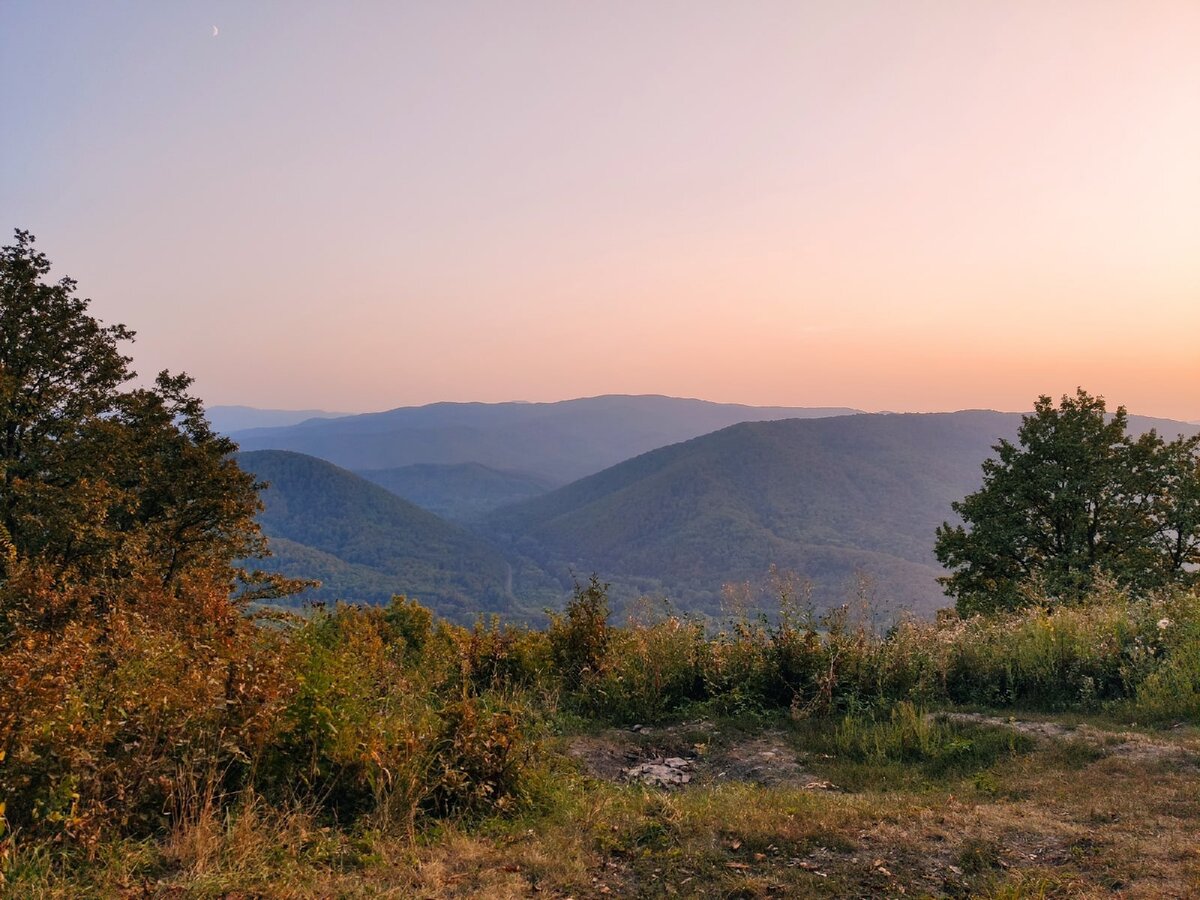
(228, 419)
(827, 497)
(555, 442)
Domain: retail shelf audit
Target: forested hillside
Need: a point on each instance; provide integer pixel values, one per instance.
(365, 544)
(827, 498)
(830, 499)
(459, 493)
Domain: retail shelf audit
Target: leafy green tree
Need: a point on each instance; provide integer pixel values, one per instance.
(1175, 506)
(59, 369)
(1075, 498)
(99, 480)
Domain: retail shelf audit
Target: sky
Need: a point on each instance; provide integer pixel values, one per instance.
(895, 205)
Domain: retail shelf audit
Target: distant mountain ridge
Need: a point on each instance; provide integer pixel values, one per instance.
(228, 419)
(826, 498)
(558, 442)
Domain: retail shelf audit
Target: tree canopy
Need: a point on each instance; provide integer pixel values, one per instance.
(99, 479)
(1074, 499)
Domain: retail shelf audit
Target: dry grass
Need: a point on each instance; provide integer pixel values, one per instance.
(1067, 819)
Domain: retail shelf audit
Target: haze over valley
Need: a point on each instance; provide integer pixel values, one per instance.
(557, 441)
(828, 497)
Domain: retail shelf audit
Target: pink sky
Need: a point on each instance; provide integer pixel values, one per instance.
(892, 205)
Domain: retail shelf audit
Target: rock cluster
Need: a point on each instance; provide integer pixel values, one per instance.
(665, 772)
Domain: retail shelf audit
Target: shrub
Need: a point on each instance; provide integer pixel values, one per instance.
(408, 622)
(762, 661)
(376, 728)
(1171, 688)
(356, 731)
(579, 635)
(482, 755)
(651, 670)
(738, 670)
(1041, 658)
(497, 656)
(906, 664)
(105, 722)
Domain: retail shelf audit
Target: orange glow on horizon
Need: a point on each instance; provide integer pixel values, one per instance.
(903, 206)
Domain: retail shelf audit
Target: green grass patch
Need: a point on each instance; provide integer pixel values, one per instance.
(905, 748)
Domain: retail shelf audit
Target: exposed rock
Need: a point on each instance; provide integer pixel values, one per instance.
(821, 786)
(665, 772)
(672, 757)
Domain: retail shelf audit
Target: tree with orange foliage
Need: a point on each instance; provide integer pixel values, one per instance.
(100, 480)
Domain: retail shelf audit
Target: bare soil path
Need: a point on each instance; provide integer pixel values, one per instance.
(698, 753)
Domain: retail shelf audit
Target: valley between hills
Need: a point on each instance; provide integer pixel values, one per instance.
(500, 508)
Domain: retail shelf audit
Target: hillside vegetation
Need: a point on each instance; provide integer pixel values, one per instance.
(372, 750)
(851, 503)
(460, 493)
(831, 499)
(365, 543)
(827, 498)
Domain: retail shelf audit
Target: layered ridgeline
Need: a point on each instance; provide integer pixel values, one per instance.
(461, 493)
(365, 544)
(826, 498)
(554, 442)
(228, 419)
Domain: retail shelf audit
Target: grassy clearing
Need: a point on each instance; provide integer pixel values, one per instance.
(1008, 816)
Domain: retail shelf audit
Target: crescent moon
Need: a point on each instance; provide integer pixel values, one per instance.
(216, 31)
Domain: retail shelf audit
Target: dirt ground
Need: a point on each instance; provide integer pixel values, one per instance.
(713, 758)
(1089, 811)
(1083, 808)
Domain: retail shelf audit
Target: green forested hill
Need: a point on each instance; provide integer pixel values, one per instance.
(366, 544)
(826, 498)
(459, 493)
